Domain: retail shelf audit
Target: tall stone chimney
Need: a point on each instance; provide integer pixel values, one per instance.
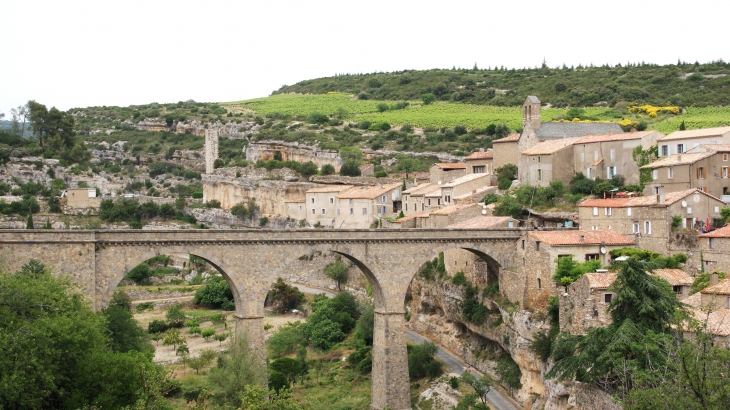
(713, 278)
(211, 147)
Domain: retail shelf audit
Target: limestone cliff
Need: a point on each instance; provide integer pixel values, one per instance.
(435, 310)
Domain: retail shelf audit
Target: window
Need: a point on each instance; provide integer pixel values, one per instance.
(701, 174)
(539, 283)
(717, 209)
(539, 175)
(680, 148)
(383, 199)
(323, 211)
(595, 155)
(338, 211)
(364, 211)
(712, 243)
(478, 169)
(539, 159)
(647, 228)
(592, 256)
(665, 150)
(314, 212)
(588, 173)
(510, 224)
(429, 201)
(677, 289)
(537, 245)
(724, 172)
(312, 200)
(607, 297)
(613, 154)
(352, 211)
(332, 200)
(689, 210)
(670, 172)
(523, 244)
(595, 211)
(582, 157)
(635, 228)
(406, 206)
(350, 201)
(610, 172)
(628, 211)
(438, 201)
(724, 157)
(607, 211)
(447, 199)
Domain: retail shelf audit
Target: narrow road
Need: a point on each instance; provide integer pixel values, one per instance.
(496, 399)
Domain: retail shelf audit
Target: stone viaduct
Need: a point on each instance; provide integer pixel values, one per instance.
(251, 260)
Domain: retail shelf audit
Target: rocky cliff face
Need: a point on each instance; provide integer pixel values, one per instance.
(435, 310)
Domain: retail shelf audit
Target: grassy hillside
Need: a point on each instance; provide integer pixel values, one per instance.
(566, 86)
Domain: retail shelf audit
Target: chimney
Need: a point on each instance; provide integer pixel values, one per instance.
(713, 278)
(582, 238)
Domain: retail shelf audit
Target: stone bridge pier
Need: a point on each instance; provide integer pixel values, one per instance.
(251, 260)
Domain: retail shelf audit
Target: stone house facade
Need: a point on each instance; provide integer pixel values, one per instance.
(546, 162)
(706, 167)
(605, 156)
(452, 214)
(711, 307)
(414, 198)
(470, 183)
(321, 204)
(679, 142)
(296, 208)
(359, 207)
(715, 247)
(505, 150)
(584, 305)
(538, 251)
(443, 172)
(79, 197)
(481, 162)
(648, 219)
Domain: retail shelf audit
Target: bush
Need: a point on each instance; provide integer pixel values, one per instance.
(157, 326)
(214, 294)
(428, 98)
(509, 372)
(327, 169)
(459, 278)
(421, 361)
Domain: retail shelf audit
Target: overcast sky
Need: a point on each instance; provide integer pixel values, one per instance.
(75, 53)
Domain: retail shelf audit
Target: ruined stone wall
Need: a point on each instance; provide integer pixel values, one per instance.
(270, 195)
(583, 308)
(717, 256)
(292, 151)
(211, 148)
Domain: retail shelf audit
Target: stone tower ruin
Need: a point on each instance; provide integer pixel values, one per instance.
(531, 113)
(211, 148)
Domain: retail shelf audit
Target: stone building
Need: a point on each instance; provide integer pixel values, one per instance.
(414, 198)
(715, 247)
(359, 207)
(607, 155)
(711, 307)
(546, 162)
(79, 197)
(442, 172)
(480, 162)
(292, 151)
(679, 142)
(449, 215)
(535, 131)
(505, 150)
(296, 208)
(704, 167)
(321, 204)
(648, 219)
(464, 187)
(680, 281)
(584, 304)
(538, 251)
(211, 148)
(414, 220)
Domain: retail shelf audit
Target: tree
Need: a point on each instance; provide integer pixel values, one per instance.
(208, 333)
(428, 98)
(327, 169)
(505, 175)
(175, 317)
(215, 293)
(237, 368)
(29, 223)
(220, 338)
(308, 169)
(283, 296)
(682, 127)
(407, 164)
(481, 386)
(702, 281)
(51, 126)
(20, 118)
(337, 271)
(350, 169)
(421, 362)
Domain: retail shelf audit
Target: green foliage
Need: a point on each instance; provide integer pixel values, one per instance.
(481, 385)
(472, 310)
(157, 326)
(285, 340)
(214, 293)
(277, 381)
(702, 280)
(327, 169)
(337, 271)
(246, 211)
(509, 372)
(237, 369)
(288, 367)
(459, 278)
(365, 325)
(568, 270)
(283, 296)
(428, 98)
(132, 212)
(659, 262)
(350, 169)
(505, 175)
(67, 361)
(422, 362)
(508, 206)
(175, 317)
(676, 222)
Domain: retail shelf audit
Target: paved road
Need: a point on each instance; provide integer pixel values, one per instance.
(496, 399)
(316, 291)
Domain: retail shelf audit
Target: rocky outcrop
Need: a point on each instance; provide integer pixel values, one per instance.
(292, 151)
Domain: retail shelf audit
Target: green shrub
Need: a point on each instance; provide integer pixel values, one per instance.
(459, 278)
(215, 293)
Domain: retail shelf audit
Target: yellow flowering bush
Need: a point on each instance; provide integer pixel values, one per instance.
(627, 123)
(652, 110)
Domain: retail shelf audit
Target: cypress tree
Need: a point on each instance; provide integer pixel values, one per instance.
(29, 224)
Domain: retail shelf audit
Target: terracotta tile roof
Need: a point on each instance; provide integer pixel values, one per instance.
(622, 136)
(605, 203)
(679, 159)
(596, 162)
(723, 232)
(448, 210)
(421, 190)
(367, 192)
(480, 155)
(716, 147)
(600, 280)
(433, 194)
(675, 277)
(475, 194)
(328, 188)
(451, 165)
(467, 178)
(669, 198)
(718, 320)
(703, 132)
(296, 200)
(509, 138)
(550, 146)
(720, 288)
(481, 222)
(423, 214)
(571, 237)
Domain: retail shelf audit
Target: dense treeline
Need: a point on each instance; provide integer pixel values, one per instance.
(683, 84)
